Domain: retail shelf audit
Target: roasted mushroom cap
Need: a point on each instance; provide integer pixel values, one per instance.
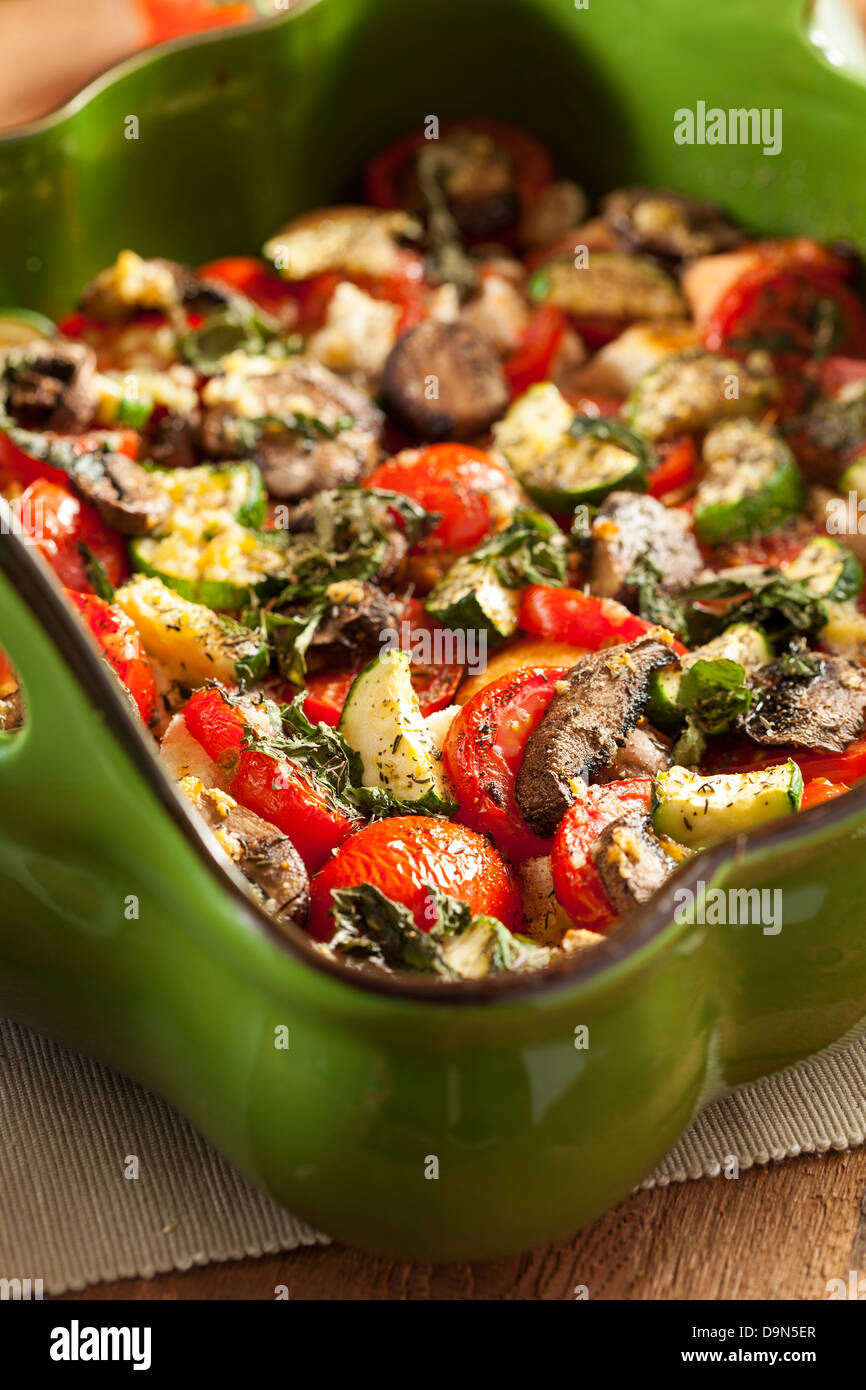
(631, 526)
(828, 437)
(133, 284)
(354, 626)
(667, 224)
(473, 173)
(126, 495)
(49, 386)
(444, 381)
(316, 432)
(644, 753)
(824, 707)
(262, 853)
(589, 718)
(632, 862)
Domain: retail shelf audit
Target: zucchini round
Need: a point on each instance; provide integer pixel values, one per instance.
(563, 461)
(751, 485)
(698, 811)
(19, 326)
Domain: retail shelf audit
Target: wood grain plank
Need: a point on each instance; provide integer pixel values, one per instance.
(777, 1233)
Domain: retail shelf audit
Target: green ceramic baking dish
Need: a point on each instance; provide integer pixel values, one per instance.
(120, 934)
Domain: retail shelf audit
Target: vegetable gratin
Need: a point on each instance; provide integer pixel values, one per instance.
(473, 557)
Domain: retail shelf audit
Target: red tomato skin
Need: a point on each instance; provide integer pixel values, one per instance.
(678, 468)
(283, 794)
(847, 767)
(575, 877)
(582, 620)
(277, 790)
(819, 790)
(57, 520)
(18, 467)
(533, 360)
(400, 855)
(483, 752)
(455, 480)
(121, 645)
(251, 277)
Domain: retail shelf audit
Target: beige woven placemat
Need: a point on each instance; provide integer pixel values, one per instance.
(68, 1215)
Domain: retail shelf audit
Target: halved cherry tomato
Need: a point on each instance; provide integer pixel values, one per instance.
(833, 374)
(278, 790)
(540, 341)
(58, 522)
(404, 286)
(772, 551)
(251, 277)
(819, 790)
(582, 620)
(531, 161)
(120, 644)
(401, 856)
(791, 300)
(435, 682)
(575, 876)
(678, 468)
(16, 466)
(456, 481)
(483, 752)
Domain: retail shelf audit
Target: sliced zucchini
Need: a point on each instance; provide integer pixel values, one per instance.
(191, 642)
(854, 478)
(558, 470)
(211, 495)
(609, 286)
(743, 643)
(129, 398)
(382, 721)
(845, 631)
(19, 326)
(692, 390)
(220, 571)
(829, 569)
(751, 483)
(698, 811)
(470, 597)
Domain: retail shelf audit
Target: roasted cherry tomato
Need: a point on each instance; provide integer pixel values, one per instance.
(819, 790)
(16, 466)
(455, 480)
(61, 525)
(575, 877)
(120, 644)
(772, 551)
(541, 340)
(278, 790)
(483, 752)
(678, 468)
(386, 174)
(401, 856)
(833, 374)
(582, 620)
(251, 277)
(791, 300)
(8, 677)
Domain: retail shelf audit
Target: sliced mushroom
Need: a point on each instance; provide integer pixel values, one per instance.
(644, 753)
(171, 442)
(667, 224)
(354, 627)
(317, 430)
(444, 381)
(12, 712)
(125, 494)
(475, 176)
(823, 708)
(50, 386)
(263, 853)
(554, 211)
(632, 862)
(631, 526)
(595, 707)
(133, 284)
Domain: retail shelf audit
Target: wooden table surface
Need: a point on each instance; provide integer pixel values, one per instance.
(777, 1233)
(772, 1233)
